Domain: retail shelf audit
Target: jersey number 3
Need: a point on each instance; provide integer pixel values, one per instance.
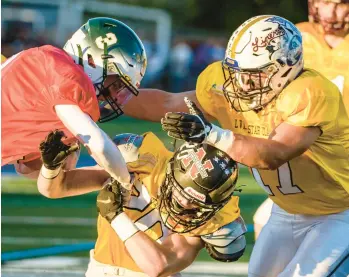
(285, 186)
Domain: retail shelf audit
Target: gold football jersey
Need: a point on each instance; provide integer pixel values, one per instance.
(3, 58)
(150, 173)
(315, 183)
(333, 63)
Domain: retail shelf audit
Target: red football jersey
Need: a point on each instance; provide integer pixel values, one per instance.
(33, 82)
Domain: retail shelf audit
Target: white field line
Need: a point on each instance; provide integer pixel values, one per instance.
(45, 220)
(5, 269)
(40, 241)
(217, 267)
(79, 265)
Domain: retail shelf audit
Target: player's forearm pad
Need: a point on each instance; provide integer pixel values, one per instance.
(124, 227)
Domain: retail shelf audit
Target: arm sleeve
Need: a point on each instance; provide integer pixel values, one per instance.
(68, 83)
(101, 147)
(313, 104)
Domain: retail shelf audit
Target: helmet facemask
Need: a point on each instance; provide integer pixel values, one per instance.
(178, 218)
(248, 89)
(200, 179)
(262, 57)
(111, 107)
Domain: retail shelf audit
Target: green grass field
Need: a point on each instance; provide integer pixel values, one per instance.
(20, 198)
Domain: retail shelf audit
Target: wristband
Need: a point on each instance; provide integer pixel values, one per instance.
(50, 173)
(124, 227)
(129, 185)
(220, 138)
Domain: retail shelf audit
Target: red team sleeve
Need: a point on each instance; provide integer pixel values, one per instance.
(32, 84)
(70, 85)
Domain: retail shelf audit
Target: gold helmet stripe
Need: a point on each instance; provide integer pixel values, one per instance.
(242, 31)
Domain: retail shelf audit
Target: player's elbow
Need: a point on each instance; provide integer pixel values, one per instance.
(273, 162)
(272, 165)
(50, 192)
(154, 272)
(47, 192)
(157, 269)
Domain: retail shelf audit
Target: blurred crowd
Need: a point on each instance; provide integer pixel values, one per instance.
(190, 57)
(187, 58)
(18, 35)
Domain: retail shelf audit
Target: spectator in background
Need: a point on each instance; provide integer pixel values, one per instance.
(181, 59)
(208, 52)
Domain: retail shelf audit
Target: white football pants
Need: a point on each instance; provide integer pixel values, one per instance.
(299, 245)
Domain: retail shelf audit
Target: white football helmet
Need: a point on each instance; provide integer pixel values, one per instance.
(105, 46)
(263, 55)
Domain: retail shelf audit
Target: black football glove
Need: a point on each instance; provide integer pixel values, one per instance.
(110, 200)
(189, 127)
(53, 151)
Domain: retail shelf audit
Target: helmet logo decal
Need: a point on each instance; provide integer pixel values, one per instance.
(268, 39)
(197, 195)
(109, 39)
(232, 63)
(197, 166)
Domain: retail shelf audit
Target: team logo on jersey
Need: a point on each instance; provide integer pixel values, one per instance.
(197, 166)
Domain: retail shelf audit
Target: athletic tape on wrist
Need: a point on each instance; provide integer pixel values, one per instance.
(124, 227)
(220, 138)
(50, 173)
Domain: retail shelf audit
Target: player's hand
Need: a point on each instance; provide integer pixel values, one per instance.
(110, 200)
(189, 127)
(53, 151)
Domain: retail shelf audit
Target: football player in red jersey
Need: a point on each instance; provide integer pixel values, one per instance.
(47, 88)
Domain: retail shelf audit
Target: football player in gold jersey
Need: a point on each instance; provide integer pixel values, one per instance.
(289, 125)
(326, 49)
(3, 58)
(326, 41)
(181, 202)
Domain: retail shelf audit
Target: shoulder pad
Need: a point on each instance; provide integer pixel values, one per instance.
(128, 145)
(228, 242)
